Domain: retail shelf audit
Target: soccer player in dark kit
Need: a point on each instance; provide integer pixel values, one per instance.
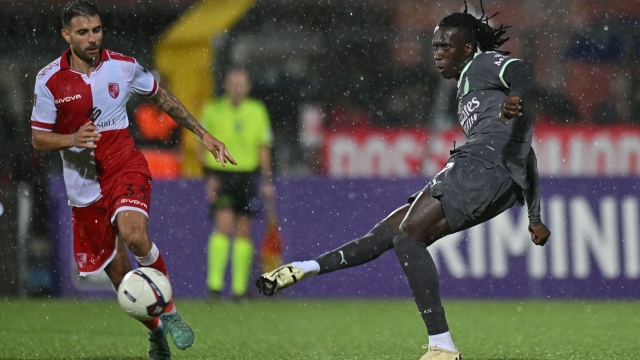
(494, 170)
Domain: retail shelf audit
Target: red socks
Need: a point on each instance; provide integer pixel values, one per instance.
(154, 260)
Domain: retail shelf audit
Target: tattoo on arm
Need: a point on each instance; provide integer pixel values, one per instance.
(170, 104)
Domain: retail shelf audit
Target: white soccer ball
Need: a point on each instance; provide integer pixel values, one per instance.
(144, 293)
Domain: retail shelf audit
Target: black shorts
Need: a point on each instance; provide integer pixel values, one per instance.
(238, 191)
(472, 191)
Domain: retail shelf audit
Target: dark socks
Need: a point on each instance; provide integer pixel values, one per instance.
(421, 272)
(359, 251)
(415, 260)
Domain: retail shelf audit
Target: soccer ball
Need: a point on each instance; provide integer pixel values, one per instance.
(144, 293)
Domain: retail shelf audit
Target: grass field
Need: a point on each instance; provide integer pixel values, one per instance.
(314, 329)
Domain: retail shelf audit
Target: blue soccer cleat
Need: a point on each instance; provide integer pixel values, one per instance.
(181, 333)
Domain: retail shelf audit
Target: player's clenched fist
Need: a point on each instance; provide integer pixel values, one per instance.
(511, 107)
(539, 234)
(86, 137)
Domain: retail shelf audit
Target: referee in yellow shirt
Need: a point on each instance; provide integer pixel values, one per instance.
(243, 124)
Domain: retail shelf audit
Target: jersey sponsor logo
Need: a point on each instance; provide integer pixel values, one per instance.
(499, 59)
(94, 113)
(133, 201)
(114, 90)
(106, 123)
(466, 115)
(67, 99)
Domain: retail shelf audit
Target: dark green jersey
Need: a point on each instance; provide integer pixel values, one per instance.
(481, 90)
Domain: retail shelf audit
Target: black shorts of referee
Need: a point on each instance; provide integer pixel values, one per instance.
(235, 190)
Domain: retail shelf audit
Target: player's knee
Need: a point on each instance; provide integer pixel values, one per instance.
(408, 227)
(396, 240)
(417, 231)
(133, 236)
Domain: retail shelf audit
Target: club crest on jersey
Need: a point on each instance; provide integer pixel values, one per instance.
(82, 259)
(114, 90)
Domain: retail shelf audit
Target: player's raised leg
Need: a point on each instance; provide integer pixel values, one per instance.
(354, 253)
(132, 225)
(116, 270)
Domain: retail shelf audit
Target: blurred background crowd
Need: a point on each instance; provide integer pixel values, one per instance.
(320, 66)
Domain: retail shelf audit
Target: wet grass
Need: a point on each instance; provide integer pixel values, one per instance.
(312, 329)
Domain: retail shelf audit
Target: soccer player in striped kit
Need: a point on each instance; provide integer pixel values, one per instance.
(79, 110)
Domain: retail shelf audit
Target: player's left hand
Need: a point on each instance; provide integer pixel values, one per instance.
(511, 107)
(539, 234)
(218, 149)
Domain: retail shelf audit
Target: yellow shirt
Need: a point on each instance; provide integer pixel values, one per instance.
(243, 130)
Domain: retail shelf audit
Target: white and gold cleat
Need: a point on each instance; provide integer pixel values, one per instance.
(271, 282)
(436, 353)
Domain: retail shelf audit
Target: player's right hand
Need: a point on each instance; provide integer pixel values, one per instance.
(86, 137)
(539, 234)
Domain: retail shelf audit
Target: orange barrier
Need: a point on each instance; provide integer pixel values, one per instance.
(163, 164)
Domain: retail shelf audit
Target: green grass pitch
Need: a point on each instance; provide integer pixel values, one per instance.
(316, 329)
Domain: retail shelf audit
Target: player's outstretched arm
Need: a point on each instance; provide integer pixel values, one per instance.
(86, 137)
(539, 232)
(170, 104)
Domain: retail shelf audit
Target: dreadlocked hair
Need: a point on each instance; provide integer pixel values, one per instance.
(481, 33)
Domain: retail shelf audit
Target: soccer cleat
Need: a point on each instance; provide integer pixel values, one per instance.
(436, 353)
(271, 282)
(181, 333)
(159, 347)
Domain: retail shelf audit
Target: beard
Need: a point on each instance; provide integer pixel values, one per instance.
(84, 56)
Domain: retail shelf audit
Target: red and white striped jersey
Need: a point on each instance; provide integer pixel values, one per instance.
(65, 100)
